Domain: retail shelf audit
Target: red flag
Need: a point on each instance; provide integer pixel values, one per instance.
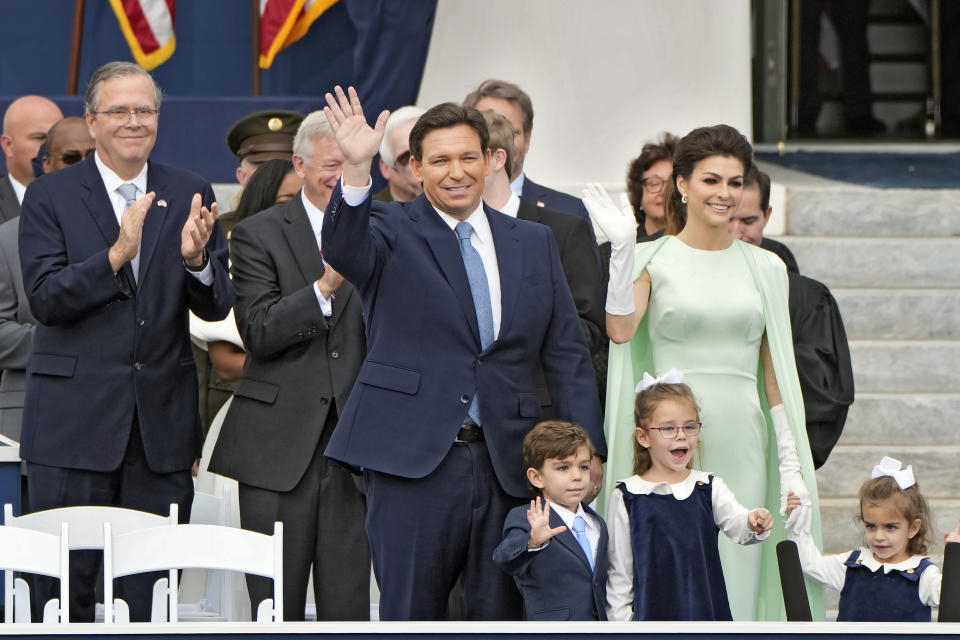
(148, 27)
(283, 22)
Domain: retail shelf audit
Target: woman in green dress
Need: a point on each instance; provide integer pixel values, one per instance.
(717, 309)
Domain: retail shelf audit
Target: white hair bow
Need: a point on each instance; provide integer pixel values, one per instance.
(674, 376)
(891, 467)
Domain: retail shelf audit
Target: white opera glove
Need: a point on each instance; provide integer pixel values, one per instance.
(791, 479)
(619, 227)
(610, 223)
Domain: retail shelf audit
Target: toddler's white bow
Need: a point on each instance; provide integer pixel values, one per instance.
(673, 376)
(891, 467)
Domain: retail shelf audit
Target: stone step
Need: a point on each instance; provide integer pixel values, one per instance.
(899, 314)
(905, 366)
(864, 212)
(903, 419)
(879, 262)
(935, 467)
(842, 532)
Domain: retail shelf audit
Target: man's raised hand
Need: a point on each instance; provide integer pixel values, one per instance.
(359, 142)
(197, 230)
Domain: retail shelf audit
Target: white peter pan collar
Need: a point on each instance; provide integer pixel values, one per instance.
(680, 490)
(866, 559)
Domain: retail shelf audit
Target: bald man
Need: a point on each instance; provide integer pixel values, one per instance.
(25, 126)
(68, 142)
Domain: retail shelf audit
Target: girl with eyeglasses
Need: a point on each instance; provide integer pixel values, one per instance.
(663, 520)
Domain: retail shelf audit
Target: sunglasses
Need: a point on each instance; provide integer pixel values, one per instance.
(74, 156)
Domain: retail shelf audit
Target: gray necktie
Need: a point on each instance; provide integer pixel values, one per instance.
(480, 290)
(129, 192)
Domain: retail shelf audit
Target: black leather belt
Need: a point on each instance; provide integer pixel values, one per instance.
(470, 431)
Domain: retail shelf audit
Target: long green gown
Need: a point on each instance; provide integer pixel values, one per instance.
(707, 314)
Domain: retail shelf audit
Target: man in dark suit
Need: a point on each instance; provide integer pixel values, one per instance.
(304, 348)
(571, 234)
(68, 142)
(462, 304)
(115, 251)
(515, 105)
(25, 125)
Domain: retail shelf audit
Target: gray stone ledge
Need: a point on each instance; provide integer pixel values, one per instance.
(879, 262)
(874, 212)
(905, 367)
(849, 467)
(903, 420)
(899, 314)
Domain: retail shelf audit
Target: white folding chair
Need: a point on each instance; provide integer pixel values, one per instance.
(191, 546)
(207, 594)
(86, 523)
(40, 553)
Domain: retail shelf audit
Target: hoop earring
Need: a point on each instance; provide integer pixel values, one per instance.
(683, 198)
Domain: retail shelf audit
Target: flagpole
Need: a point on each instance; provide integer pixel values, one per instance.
(255, 68)
(75, 47)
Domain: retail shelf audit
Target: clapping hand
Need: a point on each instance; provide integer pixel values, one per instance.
(197, 230)
(358, 141)
(611, 223)
(539, 519)
(131, 229)
(760, 521)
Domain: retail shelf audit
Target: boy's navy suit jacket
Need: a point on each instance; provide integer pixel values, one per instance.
(556, 582)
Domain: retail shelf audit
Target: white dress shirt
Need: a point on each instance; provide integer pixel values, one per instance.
(592, 528)
(18, 189)
(315, 216)
(728, 514)
(512, 207)
(481, 239)
(113, 182)
(517, 185)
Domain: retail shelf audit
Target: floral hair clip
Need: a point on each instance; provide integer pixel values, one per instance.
(673, 376)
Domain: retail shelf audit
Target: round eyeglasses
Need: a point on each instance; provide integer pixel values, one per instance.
(670, 432)
(653, 184)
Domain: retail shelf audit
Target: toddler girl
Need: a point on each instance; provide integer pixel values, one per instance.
(889, 579)
(663, 521)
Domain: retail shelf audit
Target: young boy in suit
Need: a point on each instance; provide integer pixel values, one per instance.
(556, 548)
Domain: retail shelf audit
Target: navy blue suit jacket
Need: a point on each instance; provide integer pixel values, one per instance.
(543, 196)
(556, 582)
(424, 361)
(107, 345)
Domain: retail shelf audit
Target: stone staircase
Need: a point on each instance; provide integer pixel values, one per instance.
(891, 257)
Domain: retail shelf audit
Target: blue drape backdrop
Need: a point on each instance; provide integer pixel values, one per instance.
(380, 46)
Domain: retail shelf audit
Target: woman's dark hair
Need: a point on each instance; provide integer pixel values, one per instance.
(261, 190)
(701, 143)
(650, 154)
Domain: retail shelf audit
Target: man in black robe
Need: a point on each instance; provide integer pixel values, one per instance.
(819, 340)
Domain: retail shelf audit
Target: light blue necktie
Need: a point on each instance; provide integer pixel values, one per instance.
(580, 529)
(480, 290)
(128, 191)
